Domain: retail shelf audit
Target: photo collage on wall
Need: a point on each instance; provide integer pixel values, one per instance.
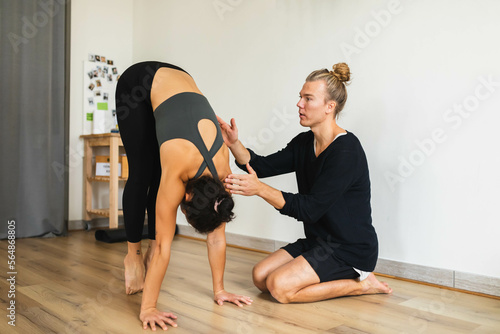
(100, 77)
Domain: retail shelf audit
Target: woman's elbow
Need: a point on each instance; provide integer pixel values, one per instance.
(163, 247)
(216, 242)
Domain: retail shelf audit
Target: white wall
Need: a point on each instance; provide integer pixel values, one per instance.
(418, 61)
(97, 27)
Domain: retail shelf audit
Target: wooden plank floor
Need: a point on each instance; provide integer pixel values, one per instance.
(75, 284)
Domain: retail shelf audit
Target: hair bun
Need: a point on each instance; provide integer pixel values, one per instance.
(341, 71)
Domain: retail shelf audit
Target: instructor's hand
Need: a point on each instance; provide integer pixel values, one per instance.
(151, 317)
(223, 296)
(229, 132)
(244, 184)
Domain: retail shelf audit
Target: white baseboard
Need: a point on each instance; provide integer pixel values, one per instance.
(416, 272)
(260, 244)
(444, 277)
(477, 283)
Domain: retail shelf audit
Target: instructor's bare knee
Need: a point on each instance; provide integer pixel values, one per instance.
(259, 276)
(277, 288)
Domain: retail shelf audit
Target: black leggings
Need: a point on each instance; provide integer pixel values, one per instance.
(137, 129)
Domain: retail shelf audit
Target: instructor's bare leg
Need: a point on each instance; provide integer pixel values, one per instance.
(296, 281)
(262, 269)
(134, 268)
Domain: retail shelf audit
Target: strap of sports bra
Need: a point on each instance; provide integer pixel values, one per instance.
(208, 155)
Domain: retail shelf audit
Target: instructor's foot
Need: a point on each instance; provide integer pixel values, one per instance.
(134, 273)
(371, 285)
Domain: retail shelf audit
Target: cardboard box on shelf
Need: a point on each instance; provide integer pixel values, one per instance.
(102, 166)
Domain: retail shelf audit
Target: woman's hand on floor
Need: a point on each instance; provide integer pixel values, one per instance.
(224, 296)
(151, 317)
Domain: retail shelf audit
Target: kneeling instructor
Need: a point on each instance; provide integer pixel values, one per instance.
(340, 250)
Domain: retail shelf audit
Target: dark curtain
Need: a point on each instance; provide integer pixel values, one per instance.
(33, 176)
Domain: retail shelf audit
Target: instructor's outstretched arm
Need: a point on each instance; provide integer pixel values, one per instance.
(249, 185)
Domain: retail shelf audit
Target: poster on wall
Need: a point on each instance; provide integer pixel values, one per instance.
(100, 77)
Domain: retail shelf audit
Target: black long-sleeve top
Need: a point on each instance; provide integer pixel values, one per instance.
(334, 194)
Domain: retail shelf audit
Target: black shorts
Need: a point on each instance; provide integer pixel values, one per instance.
(322, 259)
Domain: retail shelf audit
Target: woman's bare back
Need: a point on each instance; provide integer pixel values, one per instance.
(178, 154)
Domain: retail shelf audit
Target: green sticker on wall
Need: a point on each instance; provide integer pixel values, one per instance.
(102, 105)
(90, 116)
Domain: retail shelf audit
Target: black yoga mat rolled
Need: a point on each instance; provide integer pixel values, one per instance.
(119, 235)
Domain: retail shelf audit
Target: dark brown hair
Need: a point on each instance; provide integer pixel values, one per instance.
(210, 204)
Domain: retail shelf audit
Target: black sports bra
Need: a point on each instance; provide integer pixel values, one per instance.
(178, 117)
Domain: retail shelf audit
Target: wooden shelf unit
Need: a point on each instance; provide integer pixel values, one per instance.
(113, 141)
(104, 178)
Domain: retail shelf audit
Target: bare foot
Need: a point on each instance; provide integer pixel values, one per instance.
(372, 285)
(134, 273)
(149, 254)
